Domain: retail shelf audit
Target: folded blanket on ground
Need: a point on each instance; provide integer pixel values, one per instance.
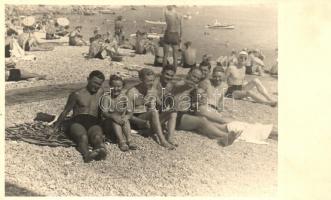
(38, 133)
(254, 133)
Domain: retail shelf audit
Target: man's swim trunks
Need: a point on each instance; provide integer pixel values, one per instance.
(231, 89)
(85, 120)
(171, 38)
(189, 66)
(249, 69)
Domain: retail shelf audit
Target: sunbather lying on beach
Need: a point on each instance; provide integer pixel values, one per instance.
(14, 74)
(29, 42)
(116, 113)
(235, 76)
(84, 126)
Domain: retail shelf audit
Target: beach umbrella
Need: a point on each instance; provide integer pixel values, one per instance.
(28, 21)
(62, 21)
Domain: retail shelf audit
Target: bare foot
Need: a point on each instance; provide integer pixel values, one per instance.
(123, 147)
(233, 136)
(168, 146)
(171, 141)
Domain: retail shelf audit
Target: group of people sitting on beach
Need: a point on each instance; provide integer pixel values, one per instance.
(157, 105)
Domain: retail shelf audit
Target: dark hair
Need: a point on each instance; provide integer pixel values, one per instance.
(11, 32)
(188, 43)
(13, 20)
(204, 64)
(98, 74)
(194, 68)
(218, 69)
(168, 67)
(115, 78)
(145, 72)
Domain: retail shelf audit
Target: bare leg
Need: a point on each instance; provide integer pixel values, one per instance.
(255, 97)
(212, 115)
(79, 135)
(27, 75)
(126, 129)
(166, 54)
(175, 55)
(260, 88)
(154, 119)
(96, 139)
(111, 127)
(202, 126)
(170, 117)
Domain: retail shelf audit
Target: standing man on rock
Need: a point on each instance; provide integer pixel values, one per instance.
(173, 34)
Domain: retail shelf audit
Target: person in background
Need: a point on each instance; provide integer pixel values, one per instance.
(119, 33)
(172, 35)
(76, 38)
(189, 55)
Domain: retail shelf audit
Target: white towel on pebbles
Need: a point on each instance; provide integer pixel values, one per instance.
(254, 133)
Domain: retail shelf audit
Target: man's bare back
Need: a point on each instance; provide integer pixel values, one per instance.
(189, 56)
(173, 21)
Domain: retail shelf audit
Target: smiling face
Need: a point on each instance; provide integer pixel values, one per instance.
(117, 86)
(195, 76)
(217, 78)
(94, 84)
(148, 81)
(167, 76)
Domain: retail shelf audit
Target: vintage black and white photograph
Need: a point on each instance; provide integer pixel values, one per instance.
(141, 100)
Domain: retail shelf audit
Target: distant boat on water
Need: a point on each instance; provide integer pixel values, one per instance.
(155, 22)
(218, 25)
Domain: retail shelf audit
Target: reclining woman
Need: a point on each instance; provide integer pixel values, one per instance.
(235, 76)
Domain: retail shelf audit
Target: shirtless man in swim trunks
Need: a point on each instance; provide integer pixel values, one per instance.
(173, 34)
(143, 98)
(189, 56)
(84, 128)
(235, 76)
